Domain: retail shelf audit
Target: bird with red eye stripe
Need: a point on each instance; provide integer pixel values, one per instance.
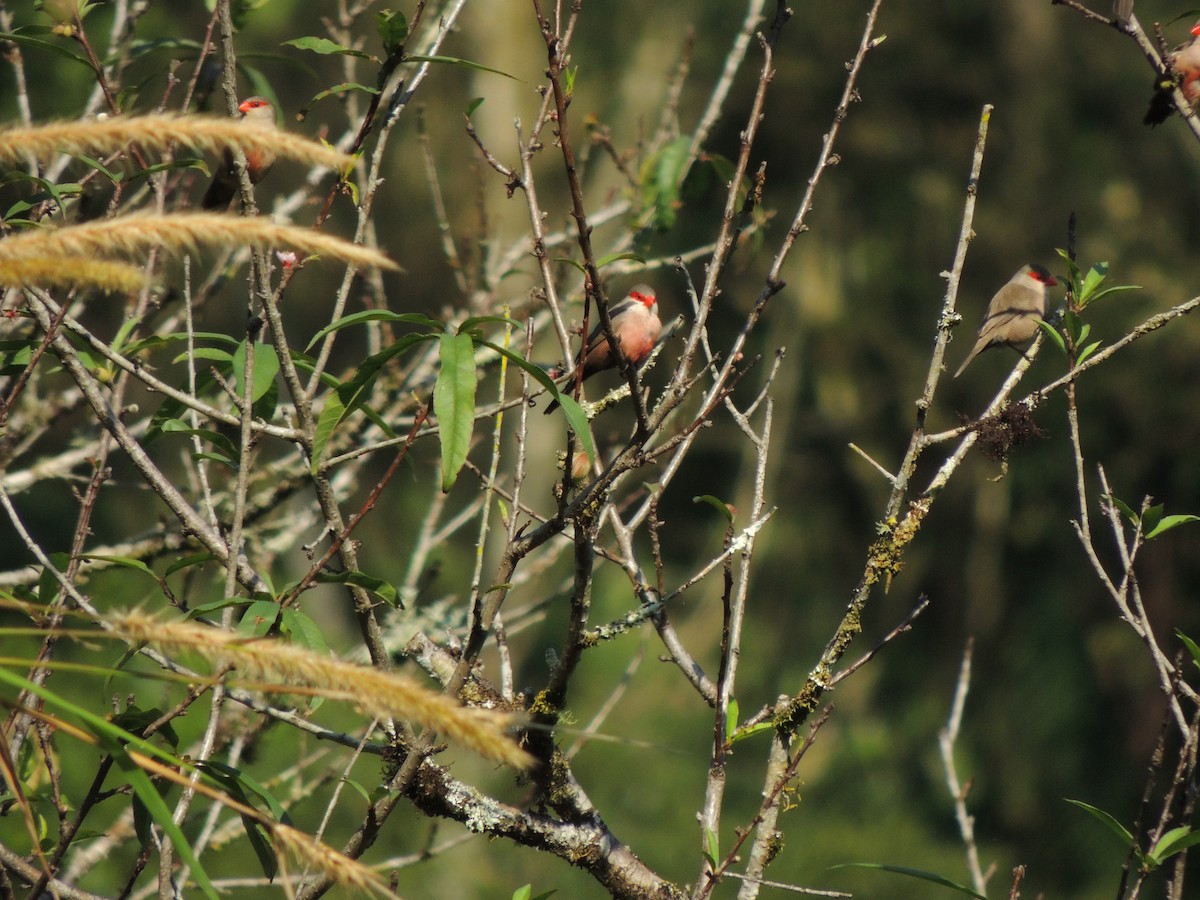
(255, 111)
(635, 324)
(1184, 63)
(1014, 313)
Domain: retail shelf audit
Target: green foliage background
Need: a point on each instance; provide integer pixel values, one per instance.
(1063, 703)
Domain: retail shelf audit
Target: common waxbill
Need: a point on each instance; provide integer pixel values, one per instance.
(635, 324)
(1013, 314)
(257, 111)
(1184, 62)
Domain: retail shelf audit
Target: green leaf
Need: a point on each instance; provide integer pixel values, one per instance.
(325, 47)
(1052, 334)
(218, 440)
(1128, 511)
(186, 562)
(1091, 281)
(454, 403)
(1086, 352)
(1169, 522)
(716, 503)
(343, 87)
(393, 31)
(1192, 647)
(303, 631)
(1072, 270)
(731, 719)
(1174, 841)
(744, 733)
(331, 415)
(469, 324)
(385, 590)
(352, 394)
(124, 562)
(536, 372)
(114, 740)
(712, 848)
(1151, 517)
(578, 423)
(614, 257)
(374, 315)
(1108, 821)
(259, 618)
(661, 178)
(266, 367)
(38, 44)
(240, 787)
(1113, 290)
(473, 105)
(455, 61)
(916, 873)
(571, 262)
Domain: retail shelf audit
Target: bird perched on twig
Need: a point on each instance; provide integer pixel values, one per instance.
(635, 324)
(257, 111)
(1013, 314)
(1184, 64)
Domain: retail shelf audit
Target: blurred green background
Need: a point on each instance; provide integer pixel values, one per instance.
(1063, 702)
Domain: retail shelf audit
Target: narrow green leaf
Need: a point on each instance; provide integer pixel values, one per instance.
(1128, 511)
(1086, 352)
(124, 562)
(338, 89)
(385, 590)
(744, 733)
(374, 315)
(1072, 270)
(1091, 281)
(1174, 841)
(186, 562)
(1192, 647)
(1116, 288)
(614, 257)
(1101, 816)
(114, 740)
(716, 503)
(916, 873)
(325, 47)
(469, 324)
(38, 44)
(331, 414)
(454, 403)
(455, 61)
(1169, 522)
(536, 372)
(578, 423)
(731, 720)
(473, 105)
(712, 847)
(1052, 334)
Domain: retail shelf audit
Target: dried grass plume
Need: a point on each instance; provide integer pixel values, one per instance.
(137, 232)
(158, 133)
(378, 693)
(62, 271)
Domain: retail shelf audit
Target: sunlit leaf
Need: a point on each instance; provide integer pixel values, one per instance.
(454, 403)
